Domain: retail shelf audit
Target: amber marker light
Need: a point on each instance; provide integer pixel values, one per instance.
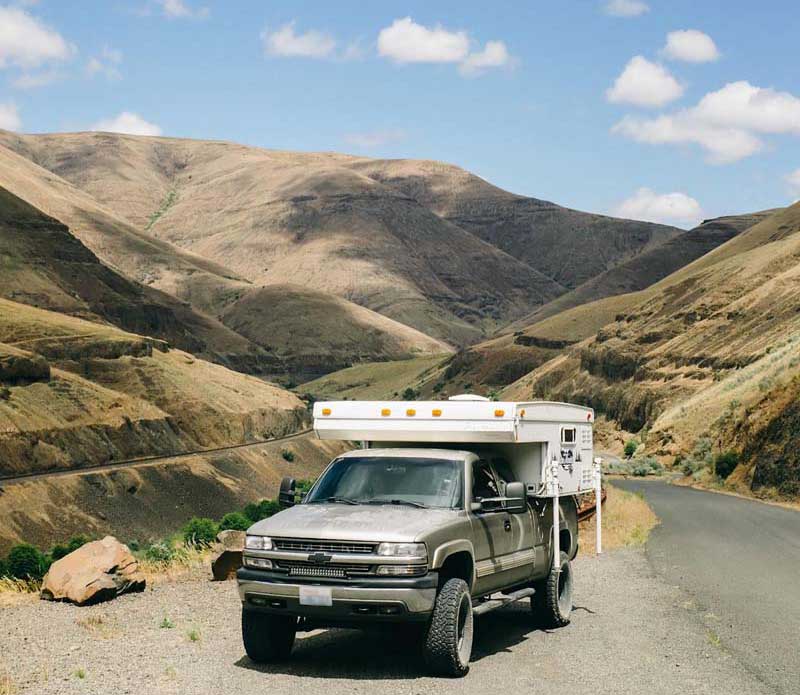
(499, 413)
(436, 412)
(411, 412)
(386, 412)
(326, 411)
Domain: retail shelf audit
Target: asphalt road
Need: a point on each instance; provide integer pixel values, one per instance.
(739, 560)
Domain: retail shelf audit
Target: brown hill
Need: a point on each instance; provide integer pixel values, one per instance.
(78, 283)
(74, 393)
(315, 332)
(697, 357)
(404, 238)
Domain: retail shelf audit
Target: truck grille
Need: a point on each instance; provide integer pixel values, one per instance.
(339, 547)
(308, 569)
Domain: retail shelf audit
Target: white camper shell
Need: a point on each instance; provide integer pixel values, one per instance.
(548, 445)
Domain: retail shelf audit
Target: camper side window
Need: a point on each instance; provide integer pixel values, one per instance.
(568, 435)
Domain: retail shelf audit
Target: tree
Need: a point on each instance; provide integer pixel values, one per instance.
(26, 562)
(630, 448)
(724, 463)
(409, 394)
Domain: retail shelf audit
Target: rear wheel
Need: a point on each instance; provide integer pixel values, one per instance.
(448, 643)
(552, 602)
(267, 637)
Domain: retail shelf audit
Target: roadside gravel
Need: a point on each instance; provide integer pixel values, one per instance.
(631, 633)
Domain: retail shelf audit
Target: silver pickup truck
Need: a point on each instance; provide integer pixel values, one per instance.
(430, 537)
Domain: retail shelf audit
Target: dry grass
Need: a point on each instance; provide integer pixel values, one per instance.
(100, 625)
(188, 563)
(627, 521)
(13, 591)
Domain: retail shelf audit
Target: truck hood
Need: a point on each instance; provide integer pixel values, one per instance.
(379, 523)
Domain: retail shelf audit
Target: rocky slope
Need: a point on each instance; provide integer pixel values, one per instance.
(711, 351)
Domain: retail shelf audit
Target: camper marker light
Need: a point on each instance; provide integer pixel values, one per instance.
(258, 543)
(499, 413)
(417, 550)
(411, 412)
(386, 412)
(436, 412)
(326, 411)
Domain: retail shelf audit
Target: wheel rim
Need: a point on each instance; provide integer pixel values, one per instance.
(464, 630)
(565, 590)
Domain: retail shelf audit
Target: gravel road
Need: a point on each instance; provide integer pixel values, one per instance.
(739, 559)
(631, 633)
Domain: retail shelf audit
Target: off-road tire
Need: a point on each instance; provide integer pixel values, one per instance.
(552, 602)
(267, 638)
(448, 642)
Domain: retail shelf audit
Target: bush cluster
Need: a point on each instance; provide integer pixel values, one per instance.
(724, 463)
(27, 562)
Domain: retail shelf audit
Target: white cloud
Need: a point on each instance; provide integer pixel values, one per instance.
(690, 45)
(644, 84)
(27, 43)
(128, 123)
(626, 8)
(310, 44)
(105, 64)
(372, 139)
(793, 180)
(9, 117)
(32, 80)
(667, 208)
(405, 41)
(494, 55)
(178, 9)
(726, 123)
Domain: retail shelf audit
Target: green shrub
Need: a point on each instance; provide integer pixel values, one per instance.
(77, 541)
(26, 562)
(409, 394)
(159, 552)
(133, 545)
(630, 448)
(724, 463)
(4, 571)
(200, 531)
(287, 455)
(256, 511)
(58, 551)
(303, 486)
(640, 470)
(235, 521)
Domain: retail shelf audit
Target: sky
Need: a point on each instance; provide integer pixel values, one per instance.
(665, 110)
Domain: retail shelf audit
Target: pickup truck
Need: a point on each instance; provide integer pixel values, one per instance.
(425, 536)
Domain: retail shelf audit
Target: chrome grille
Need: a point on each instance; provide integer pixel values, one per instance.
(309, 569)
(308, 546)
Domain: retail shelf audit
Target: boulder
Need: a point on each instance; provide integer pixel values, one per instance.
(228, 558)
(95, 572)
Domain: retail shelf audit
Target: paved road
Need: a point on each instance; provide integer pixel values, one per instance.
(740, 561)
(145, 460)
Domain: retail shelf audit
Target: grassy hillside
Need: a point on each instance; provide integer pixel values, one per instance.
(708, 347)
(424, 243)
(75, 393)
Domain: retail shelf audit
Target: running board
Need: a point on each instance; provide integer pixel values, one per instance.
(492, 604)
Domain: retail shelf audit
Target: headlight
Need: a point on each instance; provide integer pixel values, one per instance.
(258, 562)
(258, 543)
(403, 550)
(401, 570)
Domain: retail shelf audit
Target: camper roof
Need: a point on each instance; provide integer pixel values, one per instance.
(462, 419)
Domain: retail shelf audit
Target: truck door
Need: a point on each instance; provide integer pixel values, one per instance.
(491, 531)
(524, 531)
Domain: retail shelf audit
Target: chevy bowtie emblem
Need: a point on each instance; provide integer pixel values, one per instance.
(320, 558)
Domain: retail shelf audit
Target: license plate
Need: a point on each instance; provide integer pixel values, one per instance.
(315, 596)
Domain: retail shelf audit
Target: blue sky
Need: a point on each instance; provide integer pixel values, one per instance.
(586, 103)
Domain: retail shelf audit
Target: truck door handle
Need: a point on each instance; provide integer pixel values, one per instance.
(507, 525)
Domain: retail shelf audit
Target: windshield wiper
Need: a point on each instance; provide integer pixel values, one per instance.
(341, 500)
(407, 503)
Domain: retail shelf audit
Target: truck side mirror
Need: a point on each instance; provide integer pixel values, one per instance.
(286, 494)
(517, 502)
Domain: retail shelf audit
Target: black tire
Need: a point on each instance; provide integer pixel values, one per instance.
(552, 602)
(448, 642)
(267, 637)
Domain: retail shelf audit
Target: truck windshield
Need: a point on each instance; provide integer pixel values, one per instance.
(422, 482)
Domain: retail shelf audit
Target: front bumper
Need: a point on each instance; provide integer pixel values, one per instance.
(356, 601)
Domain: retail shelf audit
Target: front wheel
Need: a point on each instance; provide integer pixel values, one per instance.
(552, 602)
(448, 643)
(267, 637)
